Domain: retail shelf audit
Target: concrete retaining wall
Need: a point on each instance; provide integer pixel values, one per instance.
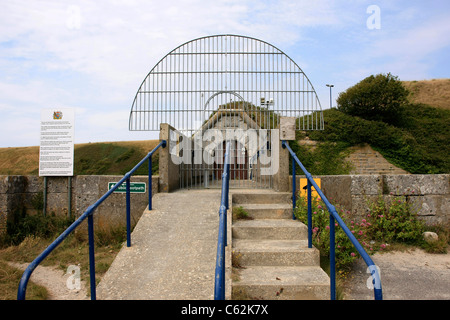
(428, 194)
(24, 194)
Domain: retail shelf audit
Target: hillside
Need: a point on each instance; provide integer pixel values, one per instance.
(418, 144)
(434, 92)
(90, 158)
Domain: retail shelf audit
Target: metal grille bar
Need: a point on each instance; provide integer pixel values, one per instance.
(176, 89)
(224, 83)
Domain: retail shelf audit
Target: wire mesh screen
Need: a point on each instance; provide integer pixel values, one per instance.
(191, 83)
(225, 88)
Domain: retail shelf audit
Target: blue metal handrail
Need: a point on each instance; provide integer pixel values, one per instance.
(219, 284)
(21, 292)
(334, 216)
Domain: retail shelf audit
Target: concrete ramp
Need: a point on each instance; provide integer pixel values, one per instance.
(173, 251)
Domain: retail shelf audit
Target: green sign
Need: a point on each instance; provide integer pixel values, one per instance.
(135, 187)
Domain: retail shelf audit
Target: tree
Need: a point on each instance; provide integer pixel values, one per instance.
(381, 98)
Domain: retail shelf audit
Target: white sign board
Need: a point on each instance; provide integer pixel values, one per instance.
(57, 142)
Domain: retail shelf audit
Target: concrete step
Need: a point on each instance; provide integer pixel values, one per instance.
(272, 250)
(269, 229)
(261, 198)
(281, 283)
(275, 253)
(268, 210)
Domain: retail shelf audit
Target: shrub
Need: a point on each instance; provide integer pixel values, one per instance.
(420, 148)
(37, 225)
(394, 221)
(328, 158)
(345, 251)
(386, 223)
(380, 98)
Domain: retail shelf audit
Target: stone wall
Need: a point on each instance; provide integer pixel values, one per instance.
(25, 194)
(428, 194)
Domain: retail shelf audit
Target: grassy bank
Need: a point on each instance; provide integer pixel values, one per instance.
(100, 158)
(74, 250)
(419, 145)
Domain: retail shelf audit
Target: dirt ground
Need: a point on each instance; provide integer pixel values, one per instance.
(55, 281)
(409, 275)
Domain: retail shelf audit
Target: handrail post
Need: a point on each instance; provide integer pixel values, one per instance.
(309, 215)
(21, 291)
(128, 213)
(150, 186)
(334, 216)
(92, 255)
(332, 260)
(223, 253)
(219, 278)
(219, 282)
(294, 187)
(225, 177)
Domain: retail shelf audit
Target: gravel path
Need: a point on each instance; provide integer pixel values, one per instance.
(409, 275)
(55, 281)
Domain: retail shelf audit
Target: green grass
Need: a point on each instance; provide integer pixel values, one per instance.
(74, 250)
(240, 213)
(327, 158)
(101, 158)
(9, 279)
(110, 159)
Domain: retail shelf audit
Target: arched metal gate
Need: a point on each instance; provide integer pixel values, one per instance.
(230, 87)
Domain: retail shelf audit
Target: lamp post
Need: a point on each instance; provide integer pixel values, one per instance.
(330, 86)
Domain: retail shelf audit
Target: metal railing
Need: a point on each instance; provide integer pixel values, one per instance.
(89, 215)
(334, 216)
(219, 285)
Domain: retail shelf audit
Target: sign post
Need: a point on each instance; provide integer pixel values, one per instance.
(56, 152)
(135, 187)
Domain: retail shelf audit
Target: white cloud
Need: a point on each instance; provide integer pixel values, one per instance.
(407, 53)
(93, 55)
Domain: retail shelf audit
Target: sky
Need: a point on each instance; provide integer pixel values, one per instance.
(93, 55)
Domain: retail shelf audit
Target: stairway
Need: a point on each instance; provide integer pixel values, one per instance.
(270, 252)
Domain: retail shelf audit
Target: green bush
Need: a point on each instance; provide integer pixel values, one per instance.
(380, 98)
(38, 225)
(345, 251)
(411, 136)
(394, 222)
(420, 147)
(328, 158)
(385, 224)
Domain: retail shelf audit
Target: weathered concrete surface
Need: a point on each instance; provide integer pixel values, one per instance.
(281, 176)
(274, 254)
(428, 194)
(169, 172)
(20, 194)
(173, 252)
